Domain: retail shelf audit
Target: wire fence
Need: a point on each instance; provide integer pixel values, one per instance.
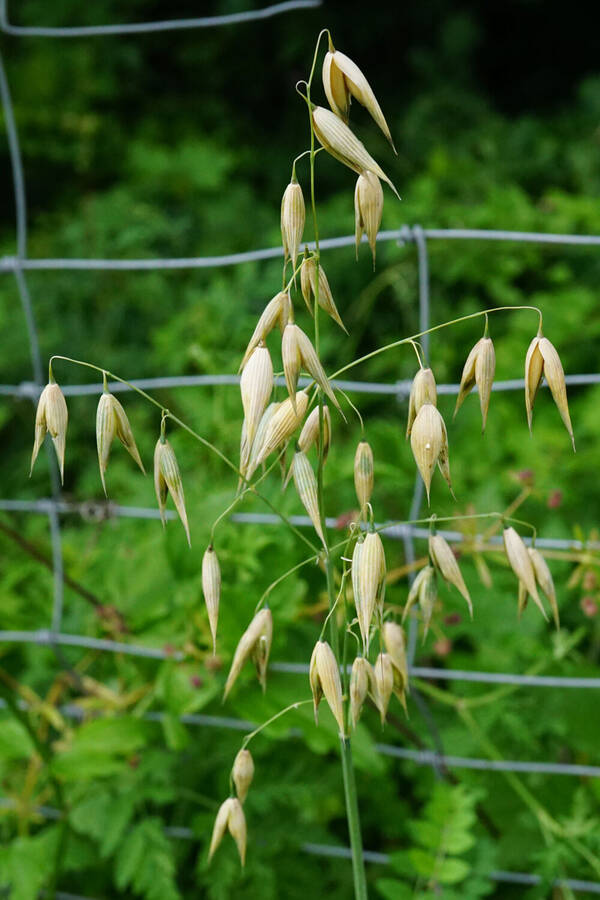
(55, 506)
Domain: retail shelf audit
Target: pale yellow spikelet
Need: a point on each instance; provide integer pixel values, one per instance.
(253, 452)
(521, 564)
(479, 369)
(106, 430)
(309, 281)
(395, 643)
(363, 473)
(242, 773)
(522, 597)
(256, 386)
(543, 576)
(413, 593)
(427, 598)
(51, 416)
(293, 216)
(167, 480)
(445, 562)
(255, 643)
(555, 376)
(384, 681)
(237, 828)
(360, 679)
(305, 482)
(315, 682)
(342, 78)
(426, 441)
(340, 142)
(368, 209)
(244, 451)
(356, 582)
(444, 459)
(310, 431)
(371, 573)
(275, 312)
(310, 362)
(211, 588)
(220, 826)
(329, 677)
(125, 434)
(282, 424)
(423, 390)
(534, 370)
(290, 355)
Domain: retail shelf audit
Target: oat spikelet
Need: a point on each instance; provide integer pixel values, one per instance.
(281, 425)
(360, 679)
(368, 209)
(290, 355)
(277, 311)
(370, 573)
(256, 386)
(253, 452)
(293, 215)
(111, 422)
(308, 285)
(52, 417)
(445, 562)
(342, 79)
(327, 680)
(310, 362)
(423, 590)
(543, 360)
(479, 369)
(395, 643)
(242, 773)
(230, 817)
(167, 480)
(255, 643)
(423, 390)
(220, 826)
(310, 431)
(427, 440)
(211, 588)
(363, 474)
(341, 143)
(384, 681)
(315, 682)
(521, 564)
(306, 487)
(543, 576)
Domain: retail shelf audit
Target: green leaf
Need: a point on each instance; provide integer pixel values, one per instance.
(391, 889)
(451, 871)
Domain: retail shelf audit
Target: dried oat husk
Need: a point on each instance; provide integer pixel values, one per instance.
(543, 576)
(360, 679)
(167, 480)
(255, 643)
(282, 424)
(342, 79)
(368, 209)
(220, 826)
(293, 216)
(306, 486)
(242, 773)
(340, 142)
(423, 390)
(521, 564)
(395, 643)
(445, 562)
(543, 360)
(370, 574)
(384, 681)
(328, 675)
(276, 312)
(230, 817)
(315, 683)
(427, 439)
(290, 355)
(52, 417)
(251, 463)
(308, 285)
(310, 362)
(310, 431)
(424, 591)
(479, 369)
(363, 474)
(256, 386)
(211, 588)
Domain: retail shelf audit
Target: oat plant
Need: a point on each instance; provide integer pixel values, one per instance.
(345, 670)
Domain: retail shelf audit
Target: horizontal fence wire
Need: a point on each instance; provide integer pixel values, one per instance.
(240, 18)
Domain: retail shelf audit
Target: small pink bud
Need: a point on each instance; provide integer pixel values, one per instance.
(555, 499)
(442, 647)
(589, 607)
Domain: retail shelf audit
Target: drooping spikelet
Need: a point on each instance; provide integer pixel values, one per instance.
(52, 417)
(111, 422)
(384, 682)
(306, 487)
(230, 817)
(167, 480)
(543, 576)
(324, 676)
(277, 311)
(308, 285)
(479, 369)
(368, 209)
(256, 386)
(255, 643)
(445, 562)
(251, 459)
(395, 644)
(310, 431)
(521, 564)
(363, 474)
(281, 425)
(423, 590)
(310, 362)
(423, 390)
(290, 356)
(211, 588)
(334, 136)
(543, 360)
(342, 79)
(293, 215)
(429, 443)
(242, 773)
(361, 677)
(368, 574)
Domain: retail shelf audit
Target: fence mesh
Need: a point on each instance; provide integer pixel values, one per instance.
(54, 506)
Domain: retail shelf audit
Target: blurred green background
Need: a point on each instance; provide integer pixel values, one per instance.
(180, 144)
